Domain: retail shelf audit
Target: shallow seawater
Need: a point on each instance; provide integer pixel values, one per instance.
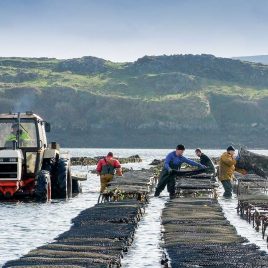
(146, 250)
(243, 228)
(24, 226)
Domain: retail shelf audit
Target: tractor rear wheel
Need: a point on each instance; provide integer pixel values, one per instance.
(43, 186)
(63, 187)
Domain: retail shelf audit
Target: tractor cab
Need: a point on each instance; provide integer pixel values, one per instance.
(22, 145)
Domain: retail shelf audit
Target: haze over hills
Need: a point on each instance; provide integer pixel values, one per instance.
(156, 101)
(258, 59)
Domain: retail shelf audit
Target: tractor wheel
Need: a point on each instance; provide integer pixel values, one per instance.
(43, 187)
(63, 187)
(76, 187)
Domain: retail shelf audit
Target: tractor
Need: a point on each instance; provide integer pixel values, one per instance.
(29, 166)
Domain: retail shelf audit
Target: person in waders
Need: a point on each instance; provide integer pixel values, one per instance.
(173, 162)
(206, 161)
(227, 169)
(106, 169)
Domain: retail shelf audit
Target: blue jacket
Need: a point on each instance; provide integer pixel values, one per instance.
(178, 160)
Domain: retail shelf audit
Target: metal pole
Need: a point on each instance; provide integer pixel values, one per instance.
(18, 134)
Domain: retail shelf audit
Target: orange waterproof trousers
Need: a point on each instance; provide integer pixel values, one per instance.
(104, 180)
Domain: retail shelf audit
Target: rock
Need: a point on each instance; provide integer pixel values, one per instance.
(83, 161)
(253, 162)
(87, 161)
(156, 162)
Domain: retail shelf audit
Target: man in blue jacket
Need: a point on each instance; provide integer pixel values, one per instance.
(173, 161)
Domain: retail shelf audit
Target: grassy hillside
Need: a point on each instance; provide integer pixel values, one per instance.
(154, 102)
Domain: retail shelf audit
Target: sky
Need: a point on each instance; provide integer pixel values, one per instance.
(125, 30)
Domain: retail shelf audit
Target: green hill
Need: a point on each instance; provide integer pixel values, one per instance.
(156, 101)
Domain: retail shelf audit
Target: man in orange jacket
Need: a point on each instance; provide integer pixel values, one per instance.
(226, 170)
(106, 168)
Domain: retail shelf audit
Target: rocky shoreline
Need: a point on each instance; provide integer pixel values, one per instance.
(87, 161)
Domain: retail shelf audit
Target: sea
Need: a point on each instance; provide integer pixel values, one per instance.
(27, 225)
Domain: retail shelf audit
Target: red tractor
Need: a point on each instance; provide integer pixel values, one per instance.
(29, 166)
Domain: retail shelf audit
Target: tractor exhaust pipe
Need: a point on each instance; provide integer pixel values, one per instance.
(14, 145)
(18, 134)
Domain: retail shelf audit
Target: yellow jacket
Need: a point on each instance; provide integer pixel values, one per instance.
(227, 167)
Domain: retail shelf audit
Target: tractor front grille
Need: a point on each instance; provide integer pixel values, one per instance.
(6, 168)
(8, 171)
(7, 176)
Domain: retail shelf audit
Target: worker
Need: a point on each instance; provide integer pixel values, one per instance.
(206, 161)
(173, 162)
(13, 136)
(226, 170)
(106, 169)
